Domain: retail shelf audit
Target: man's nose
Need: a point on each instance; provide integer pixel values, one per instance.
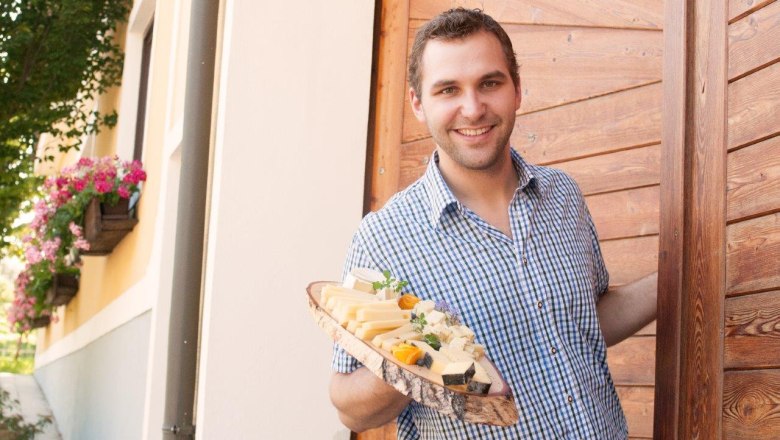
(472, 106)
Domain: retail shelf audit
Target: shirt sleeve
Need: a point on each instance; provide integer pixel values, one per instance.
(357, 256)
(600, 273)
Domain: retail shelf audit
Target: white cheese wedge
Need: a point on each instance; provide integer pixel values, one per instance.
(424, 306)
(382, 315)
(361, 278)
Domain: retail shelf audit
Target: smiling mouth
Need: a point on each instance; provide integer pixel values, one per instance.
(473, 131)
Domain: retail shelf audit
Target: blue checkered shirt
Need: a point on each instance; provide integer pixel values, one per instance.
(530, 299)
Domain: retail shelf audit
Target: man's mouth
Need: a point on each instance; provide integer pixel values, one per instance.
(473, 131)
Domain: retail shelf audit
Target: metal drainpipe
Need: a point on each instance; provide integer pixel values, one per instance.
(179, 421)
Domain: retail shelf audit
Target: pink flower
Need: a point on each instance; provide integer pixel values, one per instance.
(50, 248)
(85, 162)
(103, 186)
(79, 184)
(75, 229)
(33, 255)
(82, 244)
(123, 192)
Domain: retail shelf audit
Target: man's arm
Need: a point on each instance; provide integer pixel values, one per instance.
(626, 309)
(364, 401)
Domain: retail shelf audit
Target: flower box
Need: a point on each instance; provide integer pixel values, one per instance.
(40, 322)
(63, 289)
(105, 226)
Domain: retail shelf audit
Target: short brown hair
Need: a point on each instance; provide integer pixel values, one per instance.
(453, 24)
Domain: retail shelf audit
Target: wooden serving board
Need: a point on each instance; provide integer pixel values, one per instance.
(495, 408)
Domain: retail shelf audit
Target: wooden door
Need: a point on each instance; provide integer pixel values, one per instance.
(591, 85)
(719, 317)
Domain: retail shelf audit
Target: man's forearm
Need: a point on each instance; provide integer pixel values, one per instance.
(626, 309)
(364, 401)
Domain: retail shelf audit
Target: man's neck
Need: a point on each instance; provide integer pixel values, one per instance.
(487, 192)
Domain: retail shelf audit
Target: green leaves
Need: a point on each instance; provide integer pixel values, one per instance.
(418, 322)
(432, 340)
(389, 282)
(55, 57)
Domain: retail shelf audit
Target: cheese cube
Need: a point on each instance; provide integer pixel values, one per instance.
(424, 306)
(434, 317)
(458, 373)
(458, 344)
(480, 382)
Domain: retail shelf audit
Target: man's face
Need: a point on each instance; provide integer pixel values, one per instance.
(467, 99)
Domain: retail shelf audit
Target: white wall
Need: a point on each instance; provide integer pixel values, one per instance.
(287, 196)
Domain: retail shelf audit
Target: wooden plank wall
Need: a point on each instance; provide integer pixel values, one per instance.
(591, 86)
(751, 380)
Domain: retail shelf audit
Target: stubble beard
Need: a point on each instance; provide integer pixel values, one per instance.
(485, 162)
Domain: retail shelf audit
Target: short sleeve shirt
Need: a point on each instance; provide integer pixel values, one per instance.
(530, 299)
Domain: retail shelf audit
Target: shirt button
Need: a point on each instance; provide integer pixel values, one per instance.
(553, 350)
(539, 304)
(525, 261)
(569, 399)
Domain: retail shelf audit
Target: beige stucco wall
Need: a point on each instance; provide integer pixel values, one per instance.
(287, 196)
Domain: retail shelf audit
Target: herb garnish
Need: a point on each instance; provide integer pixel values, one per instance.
(432, 340)
(419, 322)
(389, 282)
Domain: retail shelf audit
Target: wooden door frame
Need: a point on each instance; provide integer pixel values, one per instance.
(692, 263)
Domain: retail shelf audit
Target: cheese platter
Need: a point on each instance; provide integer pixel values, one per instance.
(417, 346)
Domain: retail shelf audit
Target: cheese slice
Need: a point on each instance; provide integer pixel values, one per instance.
(389, 343)
(367, 314)
(367, 334)
(332, 290)
(384, 324)
(400, 331)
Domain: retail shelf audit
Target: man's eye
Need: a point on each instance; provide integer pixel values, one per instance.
(490, 84)
(447, 91)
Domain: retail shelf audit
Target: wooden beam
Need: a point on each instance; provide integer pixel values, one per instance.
(689, 387)
(390, 91)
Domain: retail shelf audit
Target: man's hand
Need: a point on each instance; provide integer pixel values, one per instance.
(364, 401)
(626, 309)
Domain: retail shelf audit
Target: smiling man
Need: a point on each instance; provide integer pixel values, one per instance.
(509, 244)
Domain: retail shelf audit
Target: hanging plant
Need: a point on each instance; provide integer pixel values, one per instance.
(56, 238)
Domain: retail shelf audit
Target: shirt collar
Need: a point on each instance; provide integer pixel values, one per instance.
(440, 196)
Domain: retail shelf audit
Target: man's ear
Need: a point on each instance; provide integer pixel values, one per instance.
(518, 94)
(417, 107)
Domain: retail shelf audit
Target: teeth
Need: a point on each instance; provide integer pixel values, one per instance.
(473, 132)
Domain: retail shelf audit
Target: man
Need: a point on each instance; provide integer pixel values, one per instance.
(511, 245)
